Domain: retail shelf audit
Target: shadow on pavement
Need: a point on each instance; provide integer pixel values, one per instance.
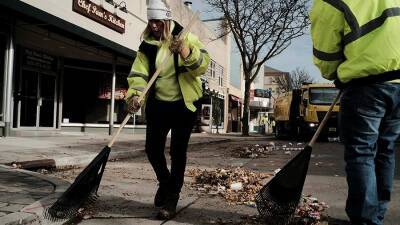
(114, 207)
(334, 221)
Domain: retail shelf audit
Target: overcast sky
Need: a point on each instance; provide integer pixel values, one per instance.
(298, 54)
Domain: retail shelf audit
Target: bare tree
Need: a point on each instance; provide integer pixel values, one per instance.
(261, 29)
(294, 80)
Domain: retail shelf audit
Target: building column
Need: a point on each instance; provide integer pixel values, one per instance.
(4, 88)
(60, 84)
(8, 81)
(226, 110)
(114, 77)
(211, 112)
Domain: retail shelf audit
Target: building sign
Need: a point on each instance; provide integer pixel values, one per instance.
(105, 93)
(38, 60)
(262, 93)
(99, 14)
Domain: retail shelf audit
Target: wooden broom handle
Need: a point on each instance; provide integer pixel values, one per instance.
(323, 122)
(153, 78)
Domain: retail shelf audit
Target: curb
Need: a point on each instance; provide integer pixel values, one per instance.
(32, 213)
(84, 160)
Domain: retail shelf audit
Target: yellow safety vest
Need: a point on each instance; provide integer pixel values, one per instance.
(356, 39)
(188, 70)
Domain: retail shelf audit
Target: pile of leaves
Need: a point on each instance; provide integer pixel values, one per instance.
(310, 211)
(263, 151)
(244, 220)
(240, 187)
(237, 186)
(253, 151)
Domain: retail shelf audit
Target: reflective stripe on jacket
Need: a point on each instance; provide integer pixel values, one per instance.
(355, 39)
(189, 70)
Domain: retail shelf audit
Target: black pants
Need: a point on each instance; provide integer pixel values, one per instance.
(161, 118)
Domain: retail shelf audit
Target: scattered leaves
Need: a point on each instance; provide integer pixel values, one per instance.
(310, 211)
(237, 186)
(263, 151)
(240, 186)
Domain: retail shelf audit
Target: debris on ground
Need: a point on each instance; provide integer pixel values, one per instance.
(253, 151)
(257, 220)
(66, 173)
(310, 211)
(237, 186)
(87, 214)
(43, 171)
(244, 220)
(263, 151)
(277, 171)
(16, 166)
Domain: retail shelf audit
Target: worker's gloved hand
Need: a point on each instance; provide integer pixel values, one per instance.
(339, 85)
(176, 45)
(133, 104)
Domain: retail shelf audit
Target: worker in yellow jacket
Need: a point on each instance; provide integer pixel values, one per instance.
(173, 100)
(357, 44)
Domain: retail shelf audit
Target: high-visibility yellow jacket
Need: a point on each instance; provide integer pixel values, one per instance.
(151, 54)
(355, 39)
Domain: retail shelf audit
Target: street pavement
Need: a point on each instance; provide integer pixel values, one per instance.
(24, 194)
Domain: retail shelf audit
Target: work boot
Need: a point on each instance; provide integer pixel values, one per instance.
(168, 211)
(161, 195)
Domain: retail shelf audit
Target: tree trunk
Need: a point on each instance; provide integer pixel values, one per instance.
(245, 120)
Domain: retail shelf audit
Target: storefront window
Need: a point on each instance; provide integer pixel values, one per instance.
(87, 93)
(81, 102)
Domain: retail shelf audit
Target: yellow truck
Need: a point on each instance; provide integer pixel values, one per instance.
(298, 113)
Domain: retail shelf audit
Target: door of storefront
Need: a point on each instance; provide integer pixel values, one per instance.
(37, 102)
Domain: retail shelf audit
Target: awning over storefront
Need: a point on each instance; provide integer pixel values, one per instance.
(67, 26)
(259, 104)
(236, 99)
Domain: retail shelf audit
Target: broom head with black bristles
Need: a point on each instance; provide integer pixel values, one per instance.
(81, 192)
(278, 199)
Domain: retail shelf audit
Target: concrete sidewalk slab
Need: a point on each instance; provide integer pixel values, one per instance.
(25, 194)
(80, 150)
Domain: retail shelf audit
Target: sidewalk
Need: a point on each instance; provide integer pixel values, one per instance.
(20, 190)
(67, 149)
(23, 194)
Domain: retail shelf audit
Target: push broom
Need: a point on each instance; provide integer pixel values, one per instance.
(83, 190)
(279, 198)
